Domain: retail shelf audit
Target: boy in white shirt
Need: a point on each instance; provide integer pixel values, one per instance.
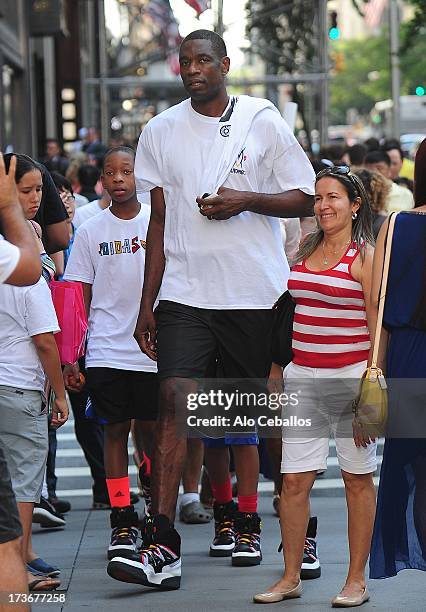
(108, 258)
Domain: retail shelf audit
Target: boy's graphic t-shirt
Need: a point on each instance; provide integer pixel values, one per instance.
(109, 254)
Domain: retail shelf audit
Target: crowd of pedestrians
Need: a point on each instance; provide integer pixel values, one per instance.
(181, 249)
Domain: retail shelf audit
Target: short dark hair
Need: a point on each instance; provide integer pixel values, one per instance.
(376, 157)
(372, 144)
(119, 149)
(357, 153)
(61, 182)
(88, 175)
(24, 164)
(390, 145)
(217, 42)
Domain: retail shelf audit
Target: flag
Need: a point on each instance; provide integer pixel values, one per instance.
(373, 12)
(199, 5)
(163, 17)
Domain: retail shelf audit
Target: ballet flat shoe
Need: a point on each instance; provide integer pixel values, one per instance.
(344, 601)
(275, 597)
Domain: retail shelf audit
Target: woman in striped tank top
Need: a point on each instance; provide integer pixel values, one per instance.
(330, 284)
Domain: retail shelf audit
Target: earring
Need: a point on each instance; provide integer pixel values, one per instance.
(354, 216)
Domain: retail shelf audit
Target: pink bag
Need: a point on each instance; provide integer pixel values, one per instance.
(69, 305)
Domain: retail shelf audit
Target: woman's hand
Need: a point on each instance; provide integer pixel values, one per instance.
(361, 437)
(59, 412)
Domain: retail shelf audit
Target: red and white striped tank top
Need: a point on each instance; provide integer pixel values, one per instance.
(330, 323)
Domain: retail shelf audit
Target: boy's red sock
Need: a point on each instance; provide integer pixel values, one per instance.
(247, 503)
(222, 493)
(119, 491)
(146, 463)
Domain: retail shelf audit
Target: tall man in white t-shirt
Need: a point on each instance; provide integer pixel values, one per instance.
(221, 266)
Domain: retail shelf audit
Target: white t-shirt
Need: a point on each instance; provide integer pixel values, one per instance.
(109, 254)
(400, 198)
(238, 263)
(24, 312)
(9, 257)
(86, 212)
(93, 208)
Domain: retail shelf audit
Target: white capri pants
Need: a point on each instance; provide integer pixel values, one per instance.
(324, 397)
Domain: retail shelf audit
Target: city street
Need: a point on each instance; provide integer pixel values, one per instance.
(207, 584)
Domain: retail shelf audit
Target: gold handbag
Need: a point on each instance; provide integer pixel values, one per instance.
(371, 405)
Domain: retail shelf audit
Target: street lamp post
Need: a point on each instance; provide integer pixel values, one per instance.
(324, 63)
(395, 70)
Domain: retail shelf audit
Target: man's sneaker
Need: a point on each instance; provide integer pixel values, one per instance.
(124, 533)
(158, 564)
(46, 515)
(310, 565)
(247, 539)
(145, 486)
(224, 536)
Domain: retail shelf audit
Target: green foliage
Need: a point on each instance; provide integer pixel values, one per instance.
(281, 33)
(354, 88)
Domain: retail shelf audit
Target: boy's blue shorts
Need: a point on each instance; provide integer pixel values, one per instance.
(231, 440)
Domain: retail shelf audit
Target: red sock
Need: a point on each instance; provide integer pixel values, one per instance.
(147, 461)
(247, 503)
(119, 491)
(222, 492)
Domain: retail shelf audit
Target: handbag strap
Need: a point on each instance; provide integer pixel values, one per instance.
(382, 290)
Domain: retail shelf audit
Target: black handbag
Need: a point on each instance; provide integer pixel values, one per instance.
(282, 329)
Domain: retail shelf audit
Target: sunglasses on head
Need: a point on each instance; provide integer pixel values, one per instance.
(345, 171)
(339, 170)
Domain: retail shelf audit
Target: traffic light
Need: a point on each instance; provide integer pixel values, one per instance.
(334, 31)
(420, 91)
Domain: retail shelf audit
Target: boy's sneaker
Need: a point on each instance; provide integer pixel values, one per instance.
(145, 487)
(224, 535)
(46, 515)
(310, 565)
(247, 549)
(124, 533)
(158, 564)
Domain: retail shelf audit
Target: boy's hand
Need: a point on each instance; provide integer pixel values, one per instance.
(73, 378)
(59, 412)
(146, 332)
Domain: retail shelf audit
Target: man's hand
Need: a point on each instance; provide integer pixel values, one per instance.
(59, 412)
(275, 381)
(228, 203)
(8, 191)
(146, 332)
(73, 378)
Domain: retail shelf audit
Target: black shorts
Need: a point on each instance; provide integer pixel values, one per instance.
(10, 526)
(120, 395)
(190, 340)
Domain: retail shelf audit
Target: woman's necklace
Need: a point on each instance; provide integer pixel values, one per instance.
(325, 261)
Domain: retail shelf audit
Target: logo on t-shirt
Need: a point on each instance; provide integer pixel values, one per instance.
(120, 247)
(237, 168)
(224, 130)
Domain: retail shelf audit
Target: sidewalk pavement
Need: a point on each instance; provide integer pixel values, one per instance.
(210, 585)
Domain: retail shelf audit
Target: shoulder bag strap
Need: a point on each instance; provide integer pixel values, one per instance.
(382, 290)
